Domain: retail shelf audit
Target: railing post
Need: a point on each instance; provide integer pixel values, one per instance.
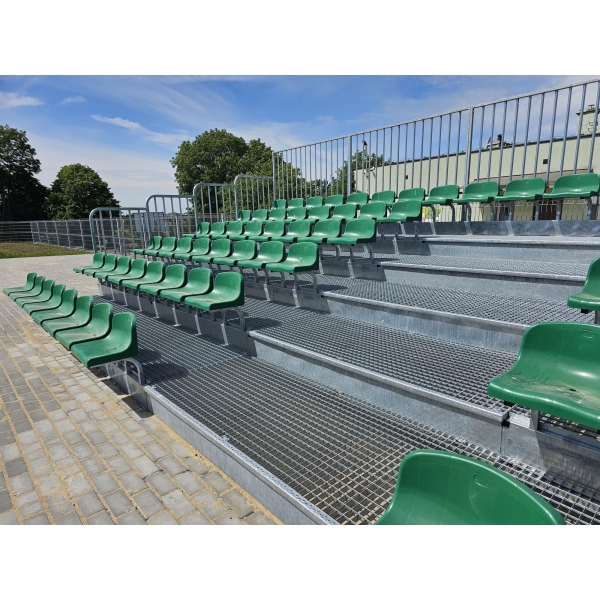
(274, 177)
(68, 236)
(349, 176)
(468, 148)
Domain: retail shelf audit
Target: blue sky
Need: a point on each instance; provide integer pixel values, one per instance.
(127, 128)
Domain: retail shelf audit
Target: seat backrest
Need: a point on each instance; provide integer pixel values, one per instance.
(110, 262)
(230, 283)
(123, 264)
(345, 211)
(138, 268)
(297, 213)
(329, 227)
(102, 315)
(260, 214)
(217, 228)
(374, 210)
(279, 203)
(482, 189)
(271, 252)
(184, 244)
(176, 275)
(38, 284)
(274, 228)
(305, 252)
(83, 308)
(445, 192)
(417, 193)
(203, 228)
(407, 209)
(155, 243)
(68, 300)
(592, 281)
(533, 186)
(314, 201)
(253, 228)
(155, 268)
(235, 227)
(98, 259)
(299, 228)
(580, 183)
(442, 488)
(46, 290)
(221, 247)
(124, 331)
(277, 213)
(384, 196)
(320, 212)
(57, 291)
(201, 279)
(360, 227)
(245, 248)
(168, 244)
(334, 200)
(359, 198)
(296, 203)
(201, 246)
(244, 215)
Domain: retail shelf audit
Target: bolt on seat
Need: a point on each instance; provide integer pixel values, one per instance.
(27, 287)
(200, 281)
(97, 262)
(96, 329)
(295, 214)
(435, 487)
(80, 317)
(65, 309)
(277, 214)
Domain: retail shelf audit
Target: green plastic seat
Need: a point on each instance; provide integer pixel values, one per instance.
(36, 290)
(200, 246)
(96, 329)
(556, 372)
(295, 214)
(373, 210)
(480, 191)
(324, 232)
(260, 215)
(277, 214)
(402, 211)
(279, 203)
(523, 189)
(386, 196)
(220, 248)
(227, 292)
(296, 203)
(119, 344)
(358, 231)
(443, 194)
(244, 215)
(137, 271)
(252, 228)
(589, 297)
(97, 263)
(358, 198)
(334, 200)
(217, 229)
(175, 277)
(242, 250)
(155, 273)
(44, 294)
(166, 249)
(346, 211)
(53, 302)
(123, 267)
(314, 201)
(582, 185)
(79, 318)
(269, 252)
(65, 309)
(301, 257)
(232, 228)
(154, 244)
(272, 229)
(23, 288)
(182, 246)
(202, 230)
(417, 193)
(295, 230)
(200, 281)
(318, 213)
(110, 264)
(442, 488)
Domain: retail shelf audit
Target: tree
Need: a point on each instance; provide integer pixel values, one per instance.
(22, 196)
(363, 164)
(76, 191)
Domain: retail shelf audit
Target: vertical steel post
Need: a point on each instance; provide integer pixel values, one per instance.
(350, 166)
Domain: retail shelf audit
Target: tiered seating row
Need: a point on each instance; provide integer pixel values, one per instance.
(91, 332)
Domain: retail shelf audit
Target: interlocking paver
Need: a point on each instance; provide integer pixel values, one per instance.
(216, 481)
(178, 503)
(189, 483)
(132, 518)
(238, 503)
(118, 503)
(148, 503)
(71, 518)
(102, 518)
(89, 504)
(163, 518)
(161, 483)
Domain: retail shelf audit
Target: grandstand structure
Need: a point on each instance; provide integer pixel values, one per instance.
(309, 330)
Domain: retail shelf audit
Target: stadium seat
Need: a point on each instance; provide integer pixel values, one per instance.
(168, 245)
(200, 281)
(269, 252)
(334, 200)
(280, 203)
(66, 308)
(232, 228)
(97, 328)
(218, 249)
(202, 230)
(302, 257)
(110, 263)
(53, 302)
(530, 190)
(583, 185)
(314, 201)
(556, 372)
(154, 244)
(155, 273)
(402, 211)
(358, 231)
(217, 229)
(324, 231)
(416, 193)
(244, 215)
(227, 292)
(295, 203)
(277, 214)
(387, 196)
(199, 247)
(295, 214)
(123, 267)
(36, 290)
(41, 295)
(295, 230)
(23, 288)
(478, 192)
(137, 271)
(250, 229)
(97, 262)
(242, 250)
(260, 215)
(589, 297)
(272, 229)
(443, 194)
(183, 245)
(175, 277)
(318, 213)
(346, 211)
(373, 210)
(358, 198)
(436, 487)
(119, 344)
(80, 317)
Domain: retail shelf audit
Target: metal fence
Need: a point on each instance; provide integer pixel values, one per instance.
(119, 230)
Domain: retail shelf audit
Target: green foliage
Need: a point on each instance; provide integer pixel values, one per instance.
(22, 196)
(77, 190)
(361, 164)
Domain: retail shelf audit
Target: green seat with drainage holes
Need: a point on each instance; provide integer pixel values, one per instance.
(324, 231)
(556, 372)
(137, 271)
(295, 230)
(436, 487)
(279, 203)
(65, 309)
(358, 231)
(155, 273)
(582, 185)
(242, 250)
(260, 215)
(54, 301)
(110, 264)
(589, 297)
(36, 290)
(81, 317)
(523, 189)
(318, 213)
(123, 267)
(480, 191)
(154, 244)
(119, 344)
(182, 245)
(227, 292)
(402, 211)
(199, 247)
(373, 210)
(334, 200)
(272, 229)
(296, 203)
(295, 214)
(23, 288)
(218, 249)
(202, 230)
(417, 193)
(442, 194)
(269, 252)
(314, 201)
(200, 281)
(42, 295)
(358, 198)
(277, 214)
(250, 229)
(97, 263)
(386, 196)
(96, 329)
(244, 215)
(346, 211)
(301, 257)
(175, 277)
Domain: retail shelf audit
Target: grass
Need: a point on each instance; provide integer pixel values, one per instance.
(26, 249)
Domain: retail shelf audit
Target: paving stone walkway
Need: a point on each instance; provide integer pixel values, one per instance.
(75, 449)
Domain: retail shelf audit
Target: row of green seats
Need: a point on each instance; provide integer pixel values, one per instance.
(557, 370)
(91, 332)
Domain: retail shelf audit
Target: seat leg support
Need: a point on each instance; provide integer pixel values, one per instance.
(597, 317)
(534, 420)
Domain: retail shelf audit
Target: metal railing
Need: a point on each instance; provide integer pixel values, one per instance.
(252, 192)
(119, 230)
(171, 214)
(214, 201)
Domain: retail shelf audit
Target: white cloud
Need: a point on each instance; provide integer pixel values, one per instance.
(167, 139)
(131, 125)
(72, 99)
(12, 100)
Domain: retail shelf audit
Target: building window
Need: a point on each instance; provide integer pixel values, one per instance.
(545, 161)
